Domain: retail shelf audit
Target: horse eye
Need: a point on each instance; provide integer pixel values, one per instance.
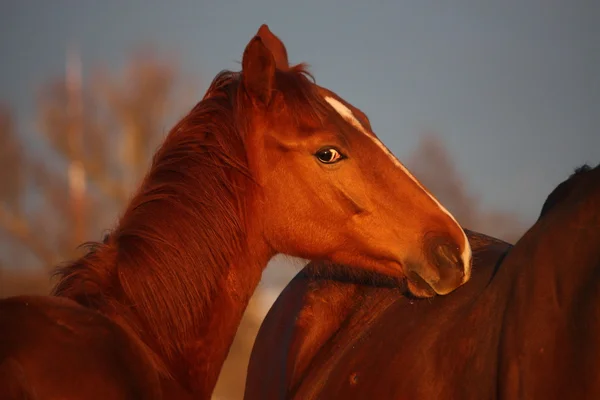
(329, 155)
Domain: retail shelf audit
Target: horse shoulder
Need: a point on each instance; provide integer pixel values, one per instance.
(304, 316)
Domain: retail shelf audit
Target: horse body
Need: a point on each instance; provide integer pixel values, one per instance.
(151, 312)
(52, 342)
(359, 340)
(525, 326)
(552, 318)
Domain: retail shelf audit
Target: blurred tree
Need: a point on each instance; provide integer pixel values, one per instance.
(66, 195)
(16, 232)
(434, 167)
(100, 137)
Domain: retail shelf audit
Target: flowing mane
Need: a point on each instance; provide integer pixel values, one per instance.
(564, 188)
(266, 163)
(185, 217)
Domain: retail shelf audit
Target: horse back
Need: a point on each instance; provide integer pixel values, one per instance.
(51, 347)
(393, 347)
(552, 345)
(320, 330)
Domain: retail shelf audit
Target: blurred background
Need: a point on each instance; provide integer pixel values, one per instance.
(490, 104)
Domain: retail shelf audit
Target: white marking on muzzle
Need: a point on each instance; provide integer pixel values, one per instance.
(347, 114)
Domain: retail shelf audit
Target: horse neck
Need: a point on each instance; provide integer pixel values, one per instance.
(186, 318)
(179, 270)
(193, 350)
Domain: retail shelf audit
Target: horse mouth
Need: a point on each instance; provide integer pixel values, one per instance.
(418, 287)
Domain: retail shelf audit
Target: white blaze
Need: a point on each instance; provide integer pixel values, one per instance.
(347, 114)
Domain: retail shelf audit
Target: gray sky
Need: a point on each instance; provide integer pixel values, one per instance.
(511, 86)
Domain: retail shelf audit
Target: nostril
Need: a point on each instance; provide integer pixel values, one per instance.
(448, 253)
(446, 256)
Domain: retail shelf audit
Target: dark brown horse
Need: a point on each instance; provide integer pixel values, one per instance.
(526, 326)
(268, 162)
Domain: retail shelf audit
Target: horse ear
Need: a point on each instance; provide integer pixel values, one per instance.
(275, 45)
(258, 70)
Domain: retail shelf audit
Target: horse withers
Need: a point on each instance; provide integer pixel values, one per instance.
(268, 162)
(525, 326)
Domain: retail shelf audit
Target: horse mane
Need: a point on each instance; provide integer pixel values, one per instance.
(160, 268)
(563, 190)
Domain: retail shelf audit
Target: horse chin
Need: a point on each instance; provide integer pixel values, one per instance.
(419, 288)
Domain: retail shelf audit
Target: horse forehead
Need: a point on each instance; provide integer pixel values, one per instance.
(346, 113)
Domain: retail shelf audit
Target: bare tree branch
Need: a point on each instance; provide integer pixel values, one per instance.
(109, 128)
(11, 162)
(19, 228)
(433, 165)
(55, 121)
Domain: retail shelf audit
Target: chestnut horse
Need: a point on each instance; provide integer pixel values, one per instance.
(268, 162)
(526, 326)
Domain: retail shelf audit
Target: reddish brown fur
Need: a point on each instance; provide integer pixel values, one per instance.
(525, 326)
(191, 196)
(194, 184)
(152, 310)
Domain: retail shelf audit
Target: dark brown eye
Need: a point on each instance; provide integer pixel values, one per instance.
(329, 155)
